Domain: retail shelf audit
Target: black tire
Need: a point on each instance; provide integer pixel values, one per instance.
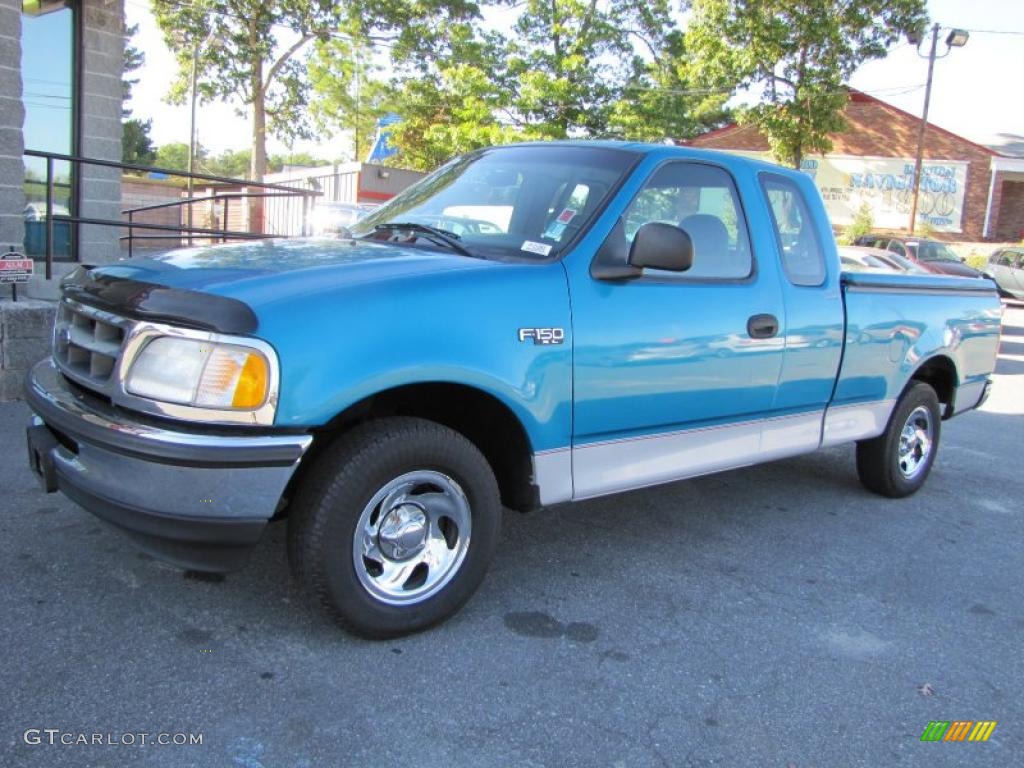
(878, 459)
(339, 488)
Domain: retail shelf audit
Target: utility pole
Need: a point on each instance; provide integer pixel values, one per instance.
(957, 38)
(921, 130)
(192, 137)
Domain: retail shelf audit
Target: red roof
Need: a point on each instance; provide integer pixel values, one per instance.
(856, 97)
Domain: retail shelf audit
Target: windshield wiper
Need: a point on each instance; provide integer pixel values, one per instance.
(438, 236)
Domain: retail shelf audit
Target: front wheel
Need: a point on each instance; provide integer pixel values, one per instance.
(396, 526)
(897, 462)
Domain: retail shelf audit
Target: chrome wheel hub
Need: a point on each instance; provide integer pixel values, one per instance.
(403, 532)
(916, 441)
(412, 537)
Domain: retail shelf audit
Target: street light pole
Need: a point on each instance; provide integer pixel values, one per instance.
(957, 38)
(923, 127)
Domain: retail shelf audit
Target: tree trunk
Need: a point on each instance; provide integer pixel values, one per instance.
(258, 166)
(258, 162)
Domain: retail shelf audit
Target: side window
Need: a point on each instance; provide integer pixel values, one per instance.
(702, 201)
(897, 247)
(1006, 259)
(1018, 262)
(802, 257)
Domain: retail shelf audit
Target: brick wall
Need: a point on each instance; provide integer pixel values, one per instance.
(877, 129)
(137, 192)
(1009, 208)
(12, 115)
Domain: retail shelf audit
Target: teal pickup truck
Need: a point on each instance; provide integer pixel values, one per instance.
(528, 325)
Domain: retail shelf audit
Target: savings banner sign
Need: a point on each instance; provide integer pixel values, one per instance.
(886, 184)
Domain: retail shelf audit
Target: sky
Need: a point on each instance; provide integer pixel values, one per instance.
(977, 90)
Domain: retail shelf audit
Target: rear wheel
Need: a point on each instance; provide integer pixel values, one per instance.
(897, 462)
(396, 526)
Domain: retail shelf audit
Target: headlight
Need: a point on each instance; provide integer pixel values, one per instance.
(201, 374)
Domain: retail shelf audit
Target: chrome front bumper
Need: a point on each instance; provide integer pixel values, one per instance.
(194, 496)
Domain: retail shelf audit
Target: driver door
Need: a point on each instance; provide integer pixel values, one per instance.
(671, 378)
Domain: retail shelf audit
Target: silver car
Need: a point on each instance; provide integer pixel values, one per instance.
(1006, 267)
(334, 218)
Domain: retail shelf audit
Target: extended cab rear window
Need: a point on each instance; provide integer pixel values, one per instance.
(799, 248)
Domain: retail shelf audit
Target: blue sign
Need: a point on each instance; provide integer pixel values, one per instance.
(382, 147)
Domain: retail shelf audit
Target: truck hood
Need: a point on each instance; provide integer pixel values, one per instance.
(255, 270)
(348, 320)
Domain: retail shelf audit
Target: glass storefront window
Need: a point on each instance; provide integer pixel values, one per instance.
(48, 94)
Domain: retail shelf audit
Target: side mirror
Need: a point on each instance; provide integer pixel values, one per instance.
(661, 246)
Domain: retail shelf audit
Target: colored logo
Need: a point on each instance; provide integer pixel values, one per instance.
(958, 730)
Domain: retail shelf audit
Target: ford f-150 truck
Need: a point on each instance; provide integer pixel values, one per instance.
(528, 325)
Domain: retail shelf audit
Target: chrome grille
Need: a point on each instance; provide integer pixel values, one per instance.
(87, 344)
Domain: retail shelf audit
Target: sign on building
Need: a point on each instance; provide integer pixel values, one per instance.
(886, 184)
(15, 268)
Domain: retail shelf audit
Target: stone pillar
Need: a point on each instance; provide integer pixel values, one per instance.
(12, 116)
(25, 331)
(101, 102)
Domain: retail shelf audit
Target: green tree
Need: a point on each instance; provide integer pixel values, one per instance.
(277, 163)
(136, 144)
(248, 51)
(570, 58)
(133, 60)
(449, 113)
(255, 52)
(465, 99)
(563, 68)
(661, 98)
(174, 156)
(349, 93)
(232, 163)
(800, 52)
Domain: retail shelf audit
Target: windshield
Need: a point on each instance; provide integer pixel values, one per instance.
(928, 250)
(506, 202)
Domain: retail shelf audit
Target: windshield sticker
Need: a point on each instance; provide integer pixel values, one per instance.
(554, 231)
(540, 248)
(557, 227)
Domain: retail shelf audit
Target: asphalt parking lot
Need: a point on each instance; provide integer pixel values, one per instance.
(774, 616)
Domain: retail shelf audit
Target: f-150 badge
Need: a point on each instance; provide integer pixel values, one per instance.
(542, 335)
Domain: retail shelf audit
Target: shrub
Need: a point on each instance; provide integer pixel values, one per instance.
(862, 224)
(976, 260)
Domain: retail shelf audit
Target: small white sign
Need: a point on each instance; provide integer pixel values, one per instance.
(15, 268)
(539, 248)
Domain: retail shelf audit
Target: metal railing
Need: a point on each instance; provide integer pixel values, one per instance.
(222, 233)
(179, 231)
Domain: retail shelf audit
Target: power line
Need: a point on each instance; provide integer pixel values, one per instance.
(38, 105)
(64, 83)
(996, 31)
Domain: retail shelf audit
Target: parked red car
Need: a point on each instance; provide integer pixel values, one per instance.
(931, 254)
